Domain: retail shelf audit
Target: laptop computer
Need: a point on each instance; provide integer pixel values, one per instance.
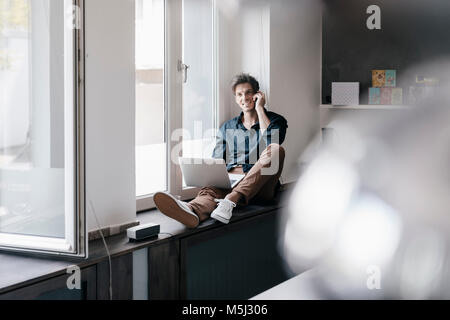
(208, 172)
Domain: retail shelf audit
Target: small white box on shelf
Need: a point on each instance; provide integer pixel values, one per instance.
(345, 93)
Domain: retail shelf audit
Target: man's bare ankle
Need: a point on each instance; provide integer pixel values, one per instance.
(233, 197)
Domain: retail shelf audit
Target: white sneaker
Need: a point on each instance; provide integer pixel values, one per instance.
(224, 210)
(176, 209)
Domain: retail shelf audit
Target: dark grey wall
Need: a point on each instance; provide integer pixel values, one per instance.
(413, 32)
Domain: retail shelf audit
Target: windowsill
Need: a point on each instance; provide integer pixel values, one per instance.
(18, 270)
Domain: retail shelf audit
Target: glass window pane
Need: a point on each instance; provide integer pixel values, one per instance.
(198, 92)
(36, 93)
(151, 160)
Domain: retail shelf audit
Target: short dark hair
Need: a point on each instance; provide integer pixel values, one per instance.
(244, 78)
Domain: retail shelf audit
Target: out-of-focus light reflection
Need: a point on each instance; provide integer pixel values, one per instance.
(422, 265)
(314, 223)
(367, 237)
(369, 234)
(372, 205)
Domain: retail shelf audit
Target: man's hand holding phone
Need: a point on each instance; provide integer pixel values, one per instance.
(260, 101)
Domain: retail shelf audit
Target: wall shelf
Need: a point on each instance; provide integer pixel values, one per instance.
(365, 107)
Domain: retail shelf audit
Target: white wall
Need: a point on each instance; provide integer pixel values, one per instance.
(244, 47)
(255, 49)
(110, 111)
(295, 64)
(229, 54)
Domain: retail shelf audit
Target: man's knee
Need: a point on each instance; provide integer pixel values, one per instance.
(208, 191)
(213, 192)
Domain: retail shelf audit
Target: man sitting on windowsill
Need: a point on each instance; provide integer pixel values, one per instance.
(255, 124)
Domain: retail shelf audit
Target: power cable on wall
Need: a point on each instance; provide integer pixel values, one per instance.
(106, 247)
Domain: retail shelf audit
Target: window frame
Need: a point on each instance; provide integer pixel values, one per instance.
(173, 97)
(75, 243)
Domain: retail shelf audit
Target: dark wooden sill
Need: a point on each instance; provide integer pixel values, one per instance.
(18, 270)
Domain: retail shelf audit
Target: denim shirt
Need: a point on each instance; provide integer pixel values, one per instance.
(239, 146)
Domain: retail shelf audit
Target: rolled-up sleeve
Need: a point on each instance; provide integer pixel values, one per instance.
(276, 131)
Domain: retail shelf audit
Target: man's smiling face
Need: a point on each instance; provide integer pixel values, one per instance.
(244, 96)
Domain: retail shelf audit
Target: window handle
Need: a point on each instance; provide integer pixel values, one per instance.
(183, 67)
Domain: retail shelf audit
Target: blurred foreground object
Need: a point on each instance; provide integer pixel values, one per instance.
(371, 213)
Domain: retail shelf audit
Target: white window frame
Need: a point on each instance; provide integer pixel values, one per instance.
(75, 243)
(173, 96)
